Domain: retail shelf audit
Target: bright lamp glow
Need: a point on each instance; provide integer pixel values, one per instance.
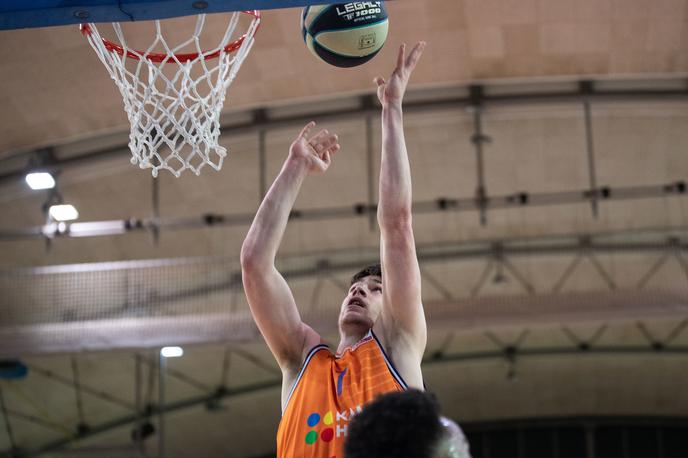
(40, 180)
(97, 228)
(63, 212)
(172, 352)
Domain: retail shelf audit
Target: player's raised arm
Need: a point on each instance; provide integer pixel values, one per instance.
(401, 292)
(269, 297)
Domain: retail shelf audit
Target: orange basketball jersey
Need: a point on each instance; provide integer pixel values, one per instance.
(328, 392)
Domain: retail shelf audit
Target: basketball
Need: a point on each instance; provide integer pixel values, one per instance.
(345, 34)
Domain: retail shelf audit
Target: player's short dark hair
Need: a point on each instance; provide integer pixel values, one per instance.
(398, 424)
(371, 270)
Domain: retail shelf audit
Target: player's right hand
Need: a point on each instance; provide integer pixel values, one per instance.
(317, 150)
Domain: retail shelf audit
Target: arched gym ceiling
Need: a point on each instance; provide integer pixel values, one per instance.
(56, 93)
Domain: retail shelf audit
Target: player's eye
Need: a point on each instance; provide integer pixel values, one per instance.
(377, 288)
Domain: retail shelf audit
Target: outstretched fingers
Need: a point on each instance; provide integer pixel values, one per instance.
(333, 149)
(323, 142)
(414, 55)
(306, 130)
(400, 57)
(330, 144)
(321, 137)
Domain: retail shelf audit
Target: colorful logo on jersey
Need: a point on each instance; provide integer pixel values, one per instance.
(327, 434)
(335, 423)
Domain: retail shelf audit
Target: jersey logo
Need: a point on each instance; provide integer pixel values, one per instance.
(335, 424)
(326, 434)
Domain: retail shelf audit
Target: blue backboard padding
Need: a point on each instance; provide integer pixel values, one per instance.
(19, 14)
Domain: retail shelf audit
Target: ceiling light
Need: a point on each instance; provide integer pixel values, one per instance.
(95, 228)
(40, 180)
(172, 352)
(63, 212)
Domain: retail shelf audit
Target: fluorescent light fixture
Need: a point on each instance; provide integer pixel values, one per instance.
(63, 212)
(91, 229)
(40, 180)
(172, 352)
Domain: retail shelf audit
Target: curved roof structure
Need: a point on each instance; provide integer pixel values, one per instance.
(547, 140)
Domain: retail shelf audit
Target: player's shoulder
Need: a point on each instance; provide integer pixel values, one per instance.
(310, 340)
(293, 370)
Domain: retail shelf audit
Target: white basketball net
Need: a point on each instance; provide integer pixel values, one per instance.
(173, 105)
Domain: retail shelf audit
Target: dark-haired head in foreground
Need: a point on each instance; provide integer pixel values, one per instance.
(404, 424)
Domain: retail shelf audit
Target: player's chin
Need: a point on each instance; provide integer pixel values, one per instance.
(354, 318)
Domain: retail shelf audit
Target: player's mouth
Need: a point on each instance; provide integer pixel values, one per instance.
(357, 303)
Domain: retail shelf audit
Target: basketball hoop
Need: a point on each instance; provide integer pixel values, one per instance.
(173, 100)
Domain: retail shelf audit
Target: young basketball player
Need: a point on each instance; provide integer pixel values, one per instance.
(381, 322)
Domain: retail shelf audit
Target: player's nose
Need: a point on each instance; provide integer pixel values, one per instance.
(359, 290)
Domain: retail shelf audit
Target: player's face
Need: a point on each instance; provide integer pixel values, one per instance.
(363, 303)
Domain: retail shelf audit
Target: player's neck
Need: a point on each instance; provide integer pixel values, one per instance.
(348, 339)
